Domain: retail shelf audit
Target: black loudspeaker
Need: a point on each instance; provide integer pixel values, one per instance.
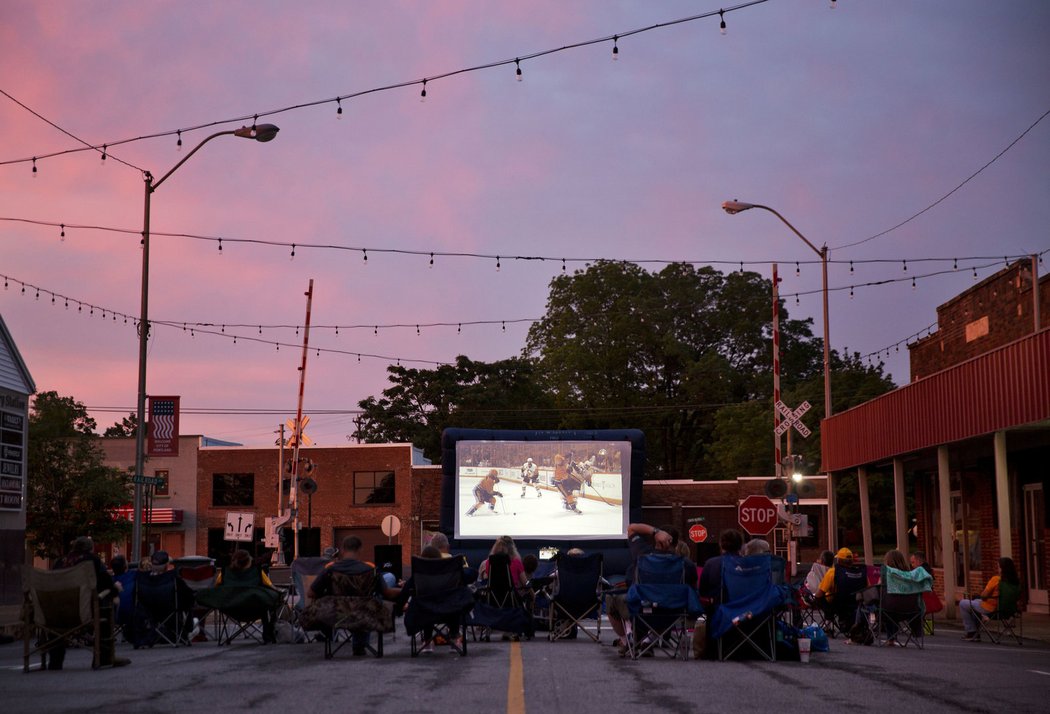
(309, 542)
(308, 486)
(776, 488)
(389, 554)
(805, 489)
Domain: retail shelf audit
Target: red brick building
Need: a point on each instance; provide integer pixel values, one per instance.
(971, 433)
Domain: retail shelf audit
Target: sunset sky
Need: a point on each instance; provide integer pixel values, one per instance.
(848, 121)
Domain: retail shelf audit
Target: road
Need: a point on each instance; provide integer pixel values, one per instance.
(574, 677)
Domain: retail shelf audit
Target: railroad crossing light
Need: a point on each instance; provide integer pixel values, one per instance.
(794, 465)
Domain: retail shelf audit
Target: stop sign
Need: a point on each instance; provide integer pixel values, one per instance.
(697, 533)
(757, 515)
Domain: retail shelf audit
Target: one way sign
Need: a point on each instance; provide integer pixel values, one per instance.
(240, 526)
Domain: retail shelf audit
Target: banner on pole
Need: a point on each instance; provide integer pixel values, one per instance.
(163, 434)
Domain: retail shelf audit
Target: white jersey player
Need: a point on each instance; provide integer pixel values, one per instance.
(530, 474)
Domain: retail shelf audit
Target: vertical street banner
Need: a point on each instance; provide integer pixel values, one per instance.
(163, 434)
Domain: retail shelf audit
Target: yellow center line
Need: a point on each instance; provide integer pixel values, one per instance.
(515, 682)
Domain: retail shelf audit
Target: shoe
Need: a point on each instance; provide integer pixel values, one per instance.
(621, 646)
(458, 643)
(427, 648)
(892, 643)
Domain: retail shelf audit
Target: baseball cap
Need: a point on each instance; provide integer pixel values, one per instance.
(160, 557)
(844, 554)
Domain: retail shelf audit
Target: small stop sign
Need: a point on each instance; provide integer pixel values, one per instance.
(757, 515)
(697, 533)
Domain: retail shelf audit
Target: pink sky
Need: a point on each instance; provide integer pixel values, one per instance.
(846, 121)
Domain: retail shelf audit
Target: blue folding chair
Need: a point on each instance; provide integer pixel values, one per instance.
(746, 619)
(662, 605)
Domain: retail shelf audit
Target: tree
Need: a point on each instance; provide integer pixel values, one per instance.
(621, 347)
(423, 402)
(127, 426)
(70, 491)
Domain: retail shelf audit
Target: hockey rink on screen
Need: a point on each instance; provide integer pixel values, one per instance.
(535, 516)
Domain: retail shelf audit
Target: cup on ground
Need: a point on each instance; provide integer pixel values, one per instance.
(804, 644)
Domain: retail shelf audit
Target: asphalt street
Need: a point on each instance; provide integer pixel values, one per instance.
(576, 677)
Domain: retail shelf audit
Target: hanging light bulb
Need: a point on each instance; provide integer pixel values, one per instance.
(517, 72)
(178, 142)
(364, 252)
(832, 6)
(423, 94)
(62, 235)
(338, 108)
(34, 167)
(497, 263)
(798, 270)
(104, 148)
(850, 292)
(293, 252)
(851, 267)
(722, 26)
(220, 246)
(955, 263)
(431, 260)
(905, 264)
(616, 48)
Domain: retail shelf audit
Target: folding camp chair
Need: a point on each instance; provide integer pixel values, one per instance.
(352, 610)
(578, 597)
(932, 604)
(499, 604)
(246, 607)
(1006, 620)
(901, 609)
(303, 573)
(58, 605)
(439, 604)
(662, 605)
(841, 610)
(746, 619)
(163, 603)
(199, 577)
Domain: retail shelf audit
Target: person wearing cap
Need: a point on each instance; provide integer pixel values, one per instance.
(827, 584)
(160, 562)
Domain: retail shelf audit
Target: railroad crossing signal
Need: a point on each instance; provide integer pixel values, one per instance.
(792, 419)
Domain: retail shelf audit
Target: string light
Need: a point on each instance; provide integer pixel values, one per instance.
(62, 235)
(365, 254)
(178, 143)
(104, 147)
(497, 263)
(220, 246)
(417, 330)
(423, 94)
(722, 25)
(517, 71)
(616, 48)
(293, 250)
(431, 260)
(34, 167)
(338, 108)
(798, 270)
(850, 292)
(851, 267)
(905, 264)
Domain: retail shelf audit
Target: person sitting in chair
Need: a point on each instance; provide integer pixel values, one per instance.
(988, 601)
(84, 549)
(330, 583)
(818, 570)
(826, 589)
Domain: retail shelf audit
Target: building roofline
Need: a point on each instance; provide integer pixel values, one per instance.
(19, 362)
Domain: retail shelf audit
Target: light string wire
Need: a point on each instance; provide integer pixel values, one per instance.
(209, 328)
(364, 250)
(429, 79)
(104, 151)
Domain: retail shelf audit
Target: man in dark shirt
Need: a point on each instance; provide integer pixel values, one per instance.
(348, 564)
(84, 549)
(643, 539)
(730, 541)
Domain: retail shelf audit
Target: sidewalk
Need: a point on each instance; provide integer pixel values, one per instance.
(1034, 626)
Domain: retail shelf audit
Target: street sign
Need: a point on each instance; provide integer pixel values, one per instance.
(792, 419)
(390, 526)
(148, 480)
(697, 533)
(240, 526)
(757, 515)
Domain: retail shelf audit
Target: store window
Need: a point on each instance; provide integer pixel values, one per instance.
(373, 487)
(232, 490)
(161, 488)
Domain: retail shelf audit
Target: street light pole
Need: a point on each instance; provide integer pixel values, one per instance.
(262, 133)
(734, 207)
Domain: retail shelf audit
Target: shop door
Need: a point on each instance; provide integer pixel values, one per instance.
(1035, 546)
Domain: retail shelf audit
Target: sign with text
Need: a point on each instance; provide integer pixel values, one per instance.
(240, 526)
(757, 515)
(163, 429)
(697, 533)
(13, 428)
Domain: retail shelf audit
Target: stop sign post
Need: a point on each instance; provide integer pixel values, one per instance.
(697, 533)
(757, 515)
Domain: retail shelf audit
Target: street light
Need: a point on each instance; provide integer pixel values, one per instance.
(733, 207)
(261, 133)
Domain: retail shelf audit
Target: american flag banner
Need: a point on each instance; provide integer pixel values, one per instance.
(163, 433)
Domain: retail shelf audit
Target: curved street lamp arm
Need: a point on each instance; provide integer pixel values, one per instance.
(195, 149)
(819, 251)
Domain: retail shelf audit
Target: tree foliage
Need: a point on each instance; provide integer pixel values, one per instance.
(685, 354)
(123, 428)
(70, 491)
(423, 402)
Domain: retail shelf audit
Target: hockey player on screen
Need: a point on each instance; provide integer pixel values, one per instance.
(485, 492)
(530, 474)
(569, 477)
